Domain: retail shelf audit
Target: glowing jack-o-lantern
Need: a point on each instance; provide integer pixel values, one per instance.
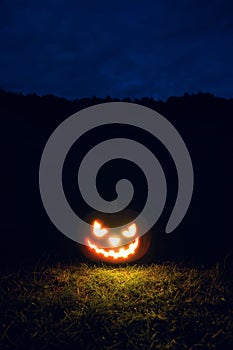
(114, 240)
(123, 246)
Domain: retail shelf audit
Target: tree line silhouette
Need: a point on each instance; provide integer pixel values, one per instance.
(203, 120)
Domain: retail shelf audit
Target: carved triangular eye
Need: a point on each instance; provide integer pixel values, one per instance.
(131, 231)
(98, 230)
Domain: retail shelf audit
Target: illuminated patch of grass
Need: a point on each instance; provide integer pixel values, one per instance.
(106, 307)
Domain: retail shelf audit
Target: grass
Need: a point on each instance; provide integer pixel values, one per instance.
(107, 307)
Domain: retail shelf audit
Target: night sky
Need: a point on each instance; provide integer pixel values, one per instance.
(151, 48)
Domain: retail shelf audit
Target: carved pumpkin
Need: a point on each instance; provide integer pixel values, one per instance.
(125, 246)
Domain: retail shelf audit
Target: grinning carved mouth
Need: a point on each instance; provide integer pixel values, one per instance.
(116, 253)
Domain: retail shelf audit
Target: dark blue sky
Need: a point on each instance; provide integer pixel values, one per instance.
(119, 48)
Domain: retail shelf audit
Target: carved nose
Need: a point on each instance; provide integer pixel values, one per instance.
(114, 240)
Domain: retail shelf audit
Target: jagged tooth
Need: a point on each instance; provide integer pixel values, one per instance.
(122, 252)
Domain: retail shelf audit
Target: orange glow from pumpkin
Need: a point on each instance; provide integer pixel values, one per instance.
(116, 253)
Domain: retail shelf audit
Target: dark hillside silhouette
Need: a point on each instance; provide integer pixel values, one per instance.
(204, 122)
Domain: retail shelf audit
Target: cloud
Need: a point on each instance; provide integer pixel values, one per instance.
(76, 49)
